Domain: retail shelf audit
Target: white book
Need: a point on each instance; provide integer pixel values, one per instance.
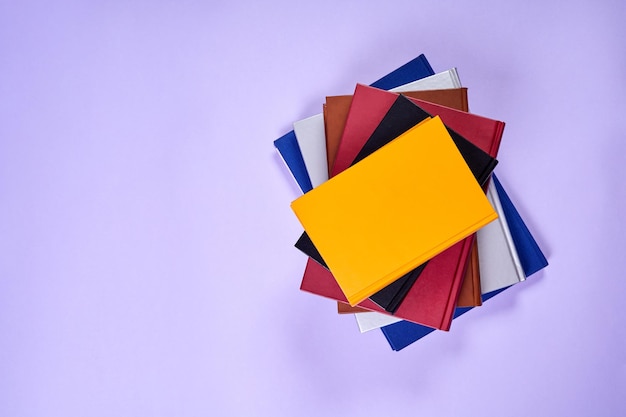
(439, 81)
(373, 320)
(312, 142)
(498, 262)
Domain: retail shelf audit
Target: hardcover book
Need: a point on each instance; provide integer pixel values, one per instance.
(389, 186)
(345, 308)
(470, 294)
(370, 320)
(349, 147)
(445, 79)
(336, 111)
(528, 251)
(417, 68)
(428, 300)
(402, 115)
(483, 132)
(500, 266)
(312, 143)
(289, 151)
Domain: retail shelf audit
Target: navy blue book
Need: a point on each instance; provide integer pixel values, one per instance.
(418, 67)
(287, 144)
(529, 253)
(403, 333)
(289, 150)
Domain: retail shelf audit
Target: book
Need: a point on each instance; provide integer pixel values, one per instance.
(428, 300)
(528, 251)
(401, 116)
(349, 147)
(444, 79)
(398, 186)
(345, 308)
(419, 66)
(470, 294)
(361, 122)
(404, 333)
(336, 111)
(369, 321)
(287, 145)
(312, 143)
(483, 132)
(500, 266)
(289, 151)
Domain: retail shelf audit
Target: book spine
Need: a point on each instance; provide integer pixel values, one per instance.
(426, 64)
(455, 288)
(454, 74)
(289, 152)
(483, 178)
(465, 104)
(507, 234)
(497, 138)
(478, 299)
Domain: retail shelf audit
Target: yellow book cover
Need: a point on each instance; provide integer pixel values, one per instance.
(394, 210)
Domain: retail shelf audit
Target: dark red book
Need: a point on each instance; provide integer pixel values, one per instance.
(427, 302)
(481, 131)
(432, 299)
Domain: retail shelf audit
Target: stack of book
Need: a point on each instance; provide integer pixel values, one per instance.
(405, 224)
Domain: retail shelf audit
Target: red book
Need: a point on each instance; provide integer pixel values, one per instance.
(481, 131)
(366, 112)
(432, 299)
(427, 303)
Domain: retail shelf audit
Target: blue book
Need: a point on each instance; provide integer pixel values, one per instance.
(530, 254)
(413, 70)
(287, 145)
(403, 333)
(289, 150)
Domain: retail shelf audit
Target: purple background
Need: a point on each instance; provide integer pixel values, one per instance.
(146, 258)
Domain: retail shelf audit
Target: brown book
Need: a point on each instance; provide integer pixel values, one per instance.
(335, 114)
(345, 308)
(455, 98)
(470, 294)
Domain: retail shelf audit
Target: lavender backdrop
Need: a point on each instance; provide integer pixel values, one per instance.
(146, 259)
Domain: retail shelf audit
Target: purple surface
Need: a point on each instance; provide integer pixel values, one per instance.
(146, 259)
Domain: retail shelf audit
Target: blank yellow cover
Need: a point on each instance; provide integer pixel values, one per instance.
(394, 210)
